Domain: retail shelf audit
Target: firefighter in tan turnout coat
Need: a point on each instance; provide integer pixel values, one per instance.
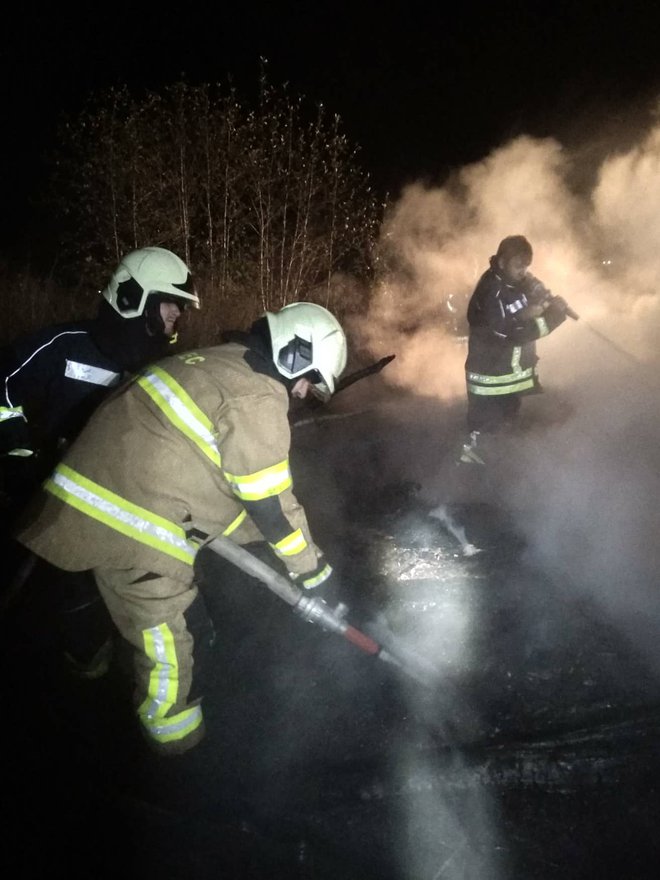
(197, 444)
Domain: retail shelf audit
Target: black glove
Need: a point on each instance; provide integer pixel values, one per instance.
(555, 313)
(536, 291)
(310, 581)
(564, 306)
(559, 303)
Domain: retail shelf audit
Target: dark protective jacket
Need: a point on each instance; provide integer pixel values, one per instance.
(200, 439)
(52, 380)
(502, 356)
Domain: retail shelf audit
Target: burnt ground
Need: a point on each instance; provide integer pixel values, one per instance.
(525, 745)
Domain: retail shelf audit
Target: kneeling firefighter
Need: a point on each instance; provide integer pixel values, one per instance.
(197, 445)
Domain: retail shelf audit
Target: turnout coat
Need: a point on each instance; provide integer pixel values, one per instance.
(198, 443)
(502, 357)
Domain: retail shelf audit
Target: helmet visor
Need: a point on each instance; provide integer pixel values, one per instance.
(296, 356)
(296, 359)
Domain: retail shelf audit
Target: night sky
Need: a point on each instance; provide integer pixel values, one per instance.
(420, 91)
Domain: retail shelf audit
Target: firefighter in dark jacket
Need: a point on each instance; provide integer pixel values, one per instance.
(508, 311)
(53, 379)
(198, 444)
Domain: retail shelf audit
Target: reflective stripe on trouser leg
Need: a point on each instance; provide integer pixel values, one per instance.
(149, 612)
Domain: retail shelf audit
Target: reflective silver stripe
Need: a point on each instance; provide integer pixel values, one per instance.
(119, 514)
(163, 681)
(11, 413)
(511, 388)
(168, 399)
(21, 453)
(291, 544)
(175, 728)
(36, 352)
(88, 373)
(262, 484)
(323, 575)
(482, 379)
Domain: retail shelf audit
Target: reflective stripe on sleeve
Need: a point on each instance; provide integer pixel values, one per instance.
(116, 512)
(181, 410)
(93, 375)
(291, 544)
(11, 412)
(262, 484)
(310, 582)
(542, 324)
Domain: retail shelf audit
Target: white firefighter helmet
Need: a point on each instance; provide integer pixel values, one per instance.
(145, 272)
(308, 341)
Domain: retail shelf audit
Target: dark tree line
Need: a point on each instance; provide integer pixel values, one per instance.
(266, 203)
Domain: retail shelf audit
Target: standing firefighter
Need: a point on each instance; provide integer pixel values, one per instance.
(508, 311)
(197, 445)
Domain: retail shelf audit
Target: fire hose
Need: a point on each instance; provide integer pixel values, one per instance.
(310, 608)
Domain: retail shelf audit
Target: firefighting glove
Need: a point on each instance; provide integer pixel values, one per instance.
(312, 580)
(555, 313)
(536, 291)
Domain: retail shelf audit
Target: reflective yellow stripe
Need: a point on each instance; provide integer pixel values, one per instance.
(175, 727)
(116, 512)
(311, 582)
(163, 688)
(501, 380)
(291, 544)
(485, 391)
(11, 412)
(181, 410)
(236, 523)
(262, 484)
(541, 323)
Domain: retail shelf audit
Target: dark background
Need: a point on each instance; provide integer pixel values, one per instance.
(420, 90)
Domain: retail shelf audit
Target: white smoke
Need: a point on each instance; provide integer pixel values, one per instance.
(586, 490)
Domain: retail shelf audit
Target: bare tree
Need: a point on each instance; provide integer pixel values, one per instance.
(267, 204)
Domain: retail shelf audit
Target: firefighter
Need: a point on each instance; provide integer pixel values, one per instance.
(52, 380)
(197, 445)
(508, 311)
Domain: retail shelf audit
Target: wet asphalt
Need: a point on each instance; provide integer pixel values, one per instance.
(518, 738)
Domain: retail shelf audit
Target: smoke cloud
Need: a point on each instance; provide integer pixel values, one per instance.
(583, 477)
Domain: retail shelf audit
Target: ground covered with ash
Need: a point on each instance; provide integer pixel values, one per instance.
(516, 737)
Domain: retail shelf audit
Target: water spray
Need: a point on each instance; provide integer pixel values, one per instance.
(442, 514)
(315, 610)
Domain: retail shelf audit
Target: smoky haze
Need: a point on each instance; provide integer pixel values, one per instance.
(584, 487)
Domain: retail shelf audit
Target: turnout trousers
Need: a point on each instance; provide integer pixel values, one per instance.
(169, 628)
